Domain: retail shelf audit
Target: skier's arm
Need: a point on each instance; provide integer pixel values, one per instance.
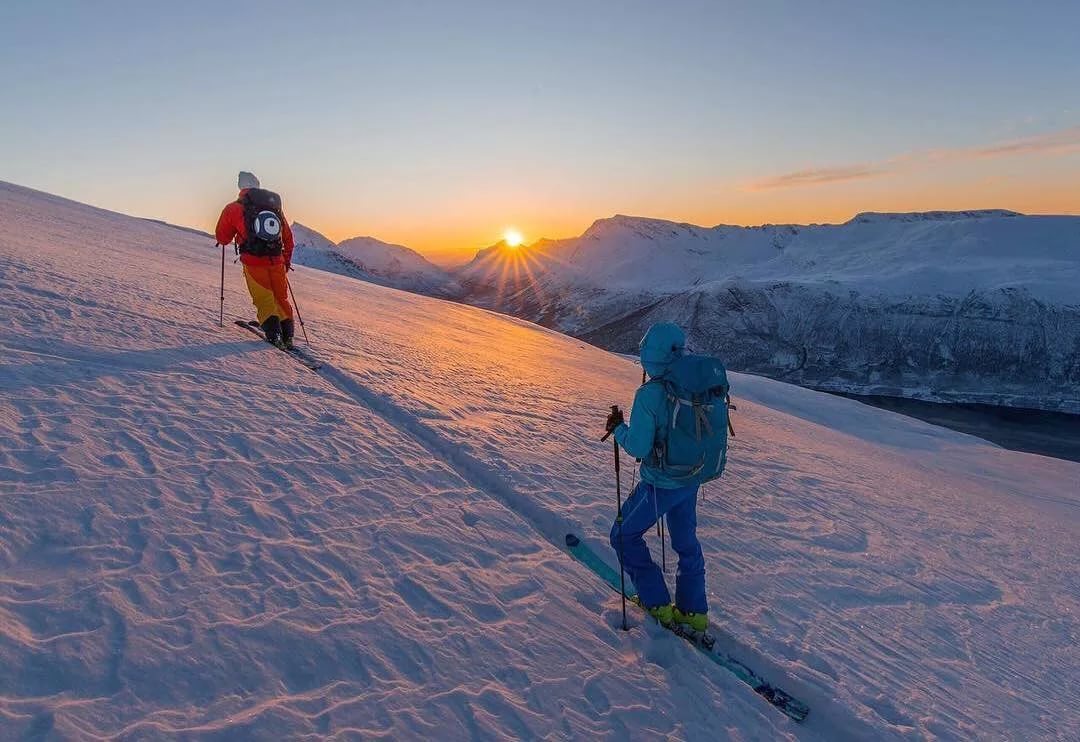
(637, 438)
(226, 225)
(287, 240)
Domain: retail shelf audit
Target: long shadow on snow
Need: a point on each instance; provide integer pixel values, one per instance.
(474, 471)
(72, 363)
(827, 715)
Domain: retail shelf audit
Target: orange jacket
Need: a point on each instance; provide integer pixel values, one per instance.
(231, 227)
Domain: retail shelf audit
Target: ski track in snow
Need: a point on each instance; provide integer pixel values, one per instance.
(200, 537)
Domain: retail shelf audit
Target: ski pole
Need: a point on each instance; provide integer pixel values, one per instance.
(663, 546)
(618, 521)
(297, 308)
(221, 315)
(660, 531)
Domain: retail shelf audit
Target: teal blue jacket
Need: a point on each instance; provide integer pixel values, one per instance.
(648, 420)
(662, 344)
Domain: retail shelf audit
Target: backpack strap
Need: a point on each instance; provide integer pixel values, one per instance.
(701, 419)
(700, 408)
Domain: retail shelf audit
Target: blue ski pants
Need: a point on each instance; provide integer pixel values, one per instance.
(640, 513)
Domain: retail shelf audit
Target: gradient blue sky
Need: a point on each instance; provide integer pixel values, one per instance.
(438, 124)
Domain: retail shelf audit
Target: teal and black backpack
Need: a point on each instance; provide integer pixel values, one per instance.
(692, 447)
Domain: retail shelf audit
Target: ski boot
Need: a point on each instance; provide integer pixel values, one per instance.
(287, 329)
(663, 614)
(272, 331)
(698, 622)
(694, 626)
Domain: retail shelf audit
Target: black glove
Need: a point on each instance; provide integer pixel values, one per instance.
(614, 420)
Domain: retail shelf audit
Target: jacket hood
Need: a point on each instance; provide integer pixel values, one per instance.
(246, 180)
(663, 343)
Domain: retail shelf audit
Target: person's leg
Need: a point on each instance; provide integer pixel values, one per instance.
(639, 515)
(682, 527)
(279, 283)
(260, 286)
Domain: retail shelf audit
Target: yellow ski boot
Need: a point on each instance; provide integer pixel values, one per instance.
(698, 622)
(664, 614)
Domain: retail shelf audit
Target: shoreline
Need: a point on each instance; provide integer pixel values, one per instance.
(1053, 434)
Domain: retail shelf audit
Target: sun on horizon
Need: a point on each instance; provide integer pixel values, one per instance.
(513, 238)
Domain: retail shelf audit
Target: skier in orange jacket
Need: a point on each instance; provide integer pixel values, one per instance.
(256, 223)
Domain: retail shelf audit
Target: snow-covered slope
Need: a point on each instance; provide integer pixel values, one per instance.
(371, 260)
(978, 306)
(189, 230)
(200, 538)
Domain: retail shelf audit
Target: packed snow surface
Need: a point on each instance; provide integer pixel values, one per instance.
(200, 537)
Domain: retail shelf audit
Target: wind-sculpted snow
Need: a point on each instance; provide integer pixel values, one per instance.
(978, 306)
(201, 538)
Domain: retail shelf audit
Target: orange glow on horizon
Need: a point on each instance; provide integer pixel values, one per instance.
(454, 234)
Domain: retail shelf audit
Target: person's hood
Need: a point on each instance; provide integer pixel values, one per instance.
(663, 343)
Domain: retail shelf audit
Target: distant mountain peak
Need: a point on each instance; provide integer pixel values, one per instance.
(305, 236)
(643, 226)
(374, 243)
(502, 246)
(371, 259)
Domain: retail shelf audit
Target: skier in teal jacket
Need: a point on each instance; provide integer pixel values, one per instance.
(657, 495)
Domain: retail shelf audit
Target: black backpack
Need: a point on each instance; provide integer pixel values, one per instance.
(263, 219)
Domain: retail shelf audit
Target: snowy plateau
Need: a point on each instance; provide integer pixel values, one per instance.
(200, 538)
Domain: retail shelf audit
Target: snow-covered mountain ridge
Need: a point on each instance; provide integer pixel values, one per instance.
(373, 260)
(307, 239)
(877, 217)
(966, 306)
(200, 538)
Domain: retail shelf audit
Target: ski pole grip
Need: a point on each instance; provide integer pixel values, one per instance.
(614, 409)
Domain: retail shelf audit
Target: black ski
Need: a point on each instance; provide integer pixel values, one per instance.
(299, 354)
